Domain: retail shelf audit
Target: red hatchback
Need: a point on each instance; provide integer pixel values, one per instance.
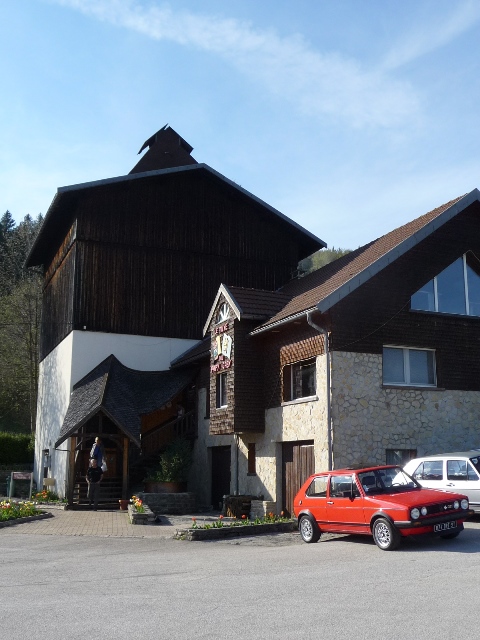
(381, 501)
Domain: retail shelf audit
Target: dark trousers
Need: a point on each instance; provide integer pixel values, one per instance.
(93, 492)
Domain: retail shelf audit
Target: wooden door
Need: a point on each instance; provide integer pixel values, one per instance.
(298, 462)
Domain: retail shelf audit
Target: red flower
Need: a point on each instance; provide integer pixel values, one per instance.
(220, 517)
(244, 517)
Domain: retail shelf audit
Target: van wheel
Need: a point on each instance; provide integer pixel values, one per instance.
(386, 536)
(308, 529)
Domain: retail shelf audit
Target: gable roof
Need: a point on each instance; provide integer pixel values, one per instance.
(121, 393)
(255, 304)
(62, 210)
(323, 288)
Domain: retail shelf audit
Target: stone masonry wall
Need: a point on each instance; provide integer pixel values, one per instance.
(369, 418)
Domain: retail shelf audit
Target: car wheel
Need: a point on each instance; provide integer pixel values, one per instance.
(386, 536)
(450, 536)
(308, 529)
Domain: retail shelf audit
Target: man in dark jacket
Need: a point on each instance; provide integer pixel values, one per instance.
(94, 477)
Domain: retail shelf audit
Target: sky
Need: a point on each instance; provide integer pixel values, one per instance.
(351, 117)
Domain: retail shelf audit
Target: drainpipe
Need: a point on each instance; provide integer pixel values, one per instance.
(236, 463)
(329, 411)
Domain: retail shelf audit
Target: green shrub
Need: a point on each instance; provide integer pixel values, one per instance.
(16, 448)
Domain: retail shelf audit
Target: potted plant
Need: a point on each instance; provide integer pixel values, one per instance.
(172, 472)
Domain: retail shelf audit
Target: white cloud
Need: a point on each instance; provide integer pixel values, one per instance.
(438, 32)
(318, 84)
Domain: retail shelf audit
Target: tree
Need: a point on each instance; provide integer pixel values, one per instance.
(321, 258)
(20, 304)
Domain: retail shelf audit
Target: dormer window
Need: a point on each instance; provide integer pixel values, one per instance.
(223, 313)
(455, 290)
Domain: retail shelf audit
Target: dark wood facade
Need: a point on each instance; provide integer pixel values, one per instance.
(378, 312)
(146, 255)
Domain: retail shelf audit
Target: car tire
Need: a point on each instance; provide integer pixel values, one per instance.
(385, 535)
(450, 536)
(309, 530)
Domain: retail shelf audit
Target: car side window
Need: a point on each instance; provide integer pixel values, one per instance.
(432, 470)
(457, 470)
(341, 487)
(318, 488)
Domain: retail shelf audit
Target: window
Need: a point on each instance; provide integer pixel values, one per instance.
(341, 487)
(429, 470)
(455, 290)
(318, 488)
(406, 366)
(299, 380)
(221, 390)
(252, 471)
(400, 456)
(223, 313)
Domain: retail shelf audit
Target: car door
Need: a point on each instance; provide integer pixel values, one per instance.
(316, 499)
(344, 510)
(462, 477)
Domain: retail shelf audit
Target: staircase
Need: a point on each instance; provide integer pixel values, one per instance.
(110, 492)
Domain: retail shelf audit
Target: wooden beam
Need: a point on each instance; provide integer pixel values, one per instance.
(71, 470)
(126, 443)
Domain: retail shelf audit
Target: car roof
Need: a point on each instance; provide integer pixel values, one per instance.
(471, 453)
(351, 470)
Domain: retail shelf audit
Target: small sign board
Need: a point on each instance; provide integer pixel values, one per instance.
(20, 475)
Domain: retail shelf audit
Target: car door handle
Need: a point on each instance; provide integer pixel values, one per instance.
(330, 502)
(450, 484)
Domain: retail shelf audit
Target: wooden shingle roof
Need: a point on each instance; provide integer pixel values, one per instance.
(123, 394)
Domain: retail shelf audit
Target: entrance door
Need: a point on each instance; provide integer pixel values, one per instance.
(298, 463)
(221, 463)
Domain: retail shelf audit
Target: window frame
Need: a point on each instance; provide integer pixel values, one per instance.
(434, 280)
(221, 400)
(288, 381)
(406, 368)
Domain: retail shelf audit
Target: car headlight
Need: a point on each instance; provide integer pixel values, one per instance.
(456, 504)
(464, 503)
(424, 511)
(415, 513)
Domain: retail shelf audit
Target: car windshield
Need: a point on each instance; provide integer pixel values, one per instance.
(389, 480)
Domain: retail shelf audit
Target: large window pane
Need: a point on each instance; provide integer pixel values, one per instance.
(421, 367)
(473, 280)
(393, 367)
(451, 289)
(424, 299)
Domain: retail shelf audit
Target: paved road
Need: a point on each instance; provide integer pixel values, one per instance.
(60, 586)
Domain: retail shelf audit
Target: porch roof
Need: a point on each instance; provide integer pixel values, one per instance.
(122, 394)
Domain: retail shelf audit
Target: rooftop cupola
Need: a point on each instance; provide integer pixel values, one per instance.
(166, 149)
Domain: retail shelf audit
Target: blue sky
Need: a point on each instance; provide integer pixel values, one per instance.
(351, 117)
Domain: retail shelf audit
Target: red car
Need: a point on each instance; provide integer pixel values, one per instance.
(381, 501)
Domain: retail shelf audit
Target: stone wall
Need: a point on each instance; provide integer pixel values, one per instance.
(170, 503)
(369, 418)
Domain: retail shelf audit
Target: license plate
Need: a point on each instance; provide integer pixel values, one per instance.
(444, 526)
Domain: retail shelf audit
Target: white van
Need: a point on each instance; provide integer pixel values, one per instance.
(458, 472)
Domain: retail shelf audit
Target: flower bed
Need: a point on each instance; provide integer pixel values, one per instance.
(242, 527)
(140, 513)
(17, 512)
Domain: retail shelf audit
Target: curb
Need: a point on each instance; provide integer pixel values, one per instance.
(193, 535)
(40, 516)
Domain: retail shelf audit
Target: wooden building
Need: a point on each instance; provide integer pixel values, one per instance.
(131, 265)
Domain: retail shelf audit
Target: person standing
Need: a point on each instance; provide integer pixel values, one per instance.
(98, 451)
(94, 478)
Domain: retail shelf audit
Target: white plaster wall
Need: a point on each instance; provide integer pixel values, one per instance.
(368, 419)
(68, 363)
(54, 387)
